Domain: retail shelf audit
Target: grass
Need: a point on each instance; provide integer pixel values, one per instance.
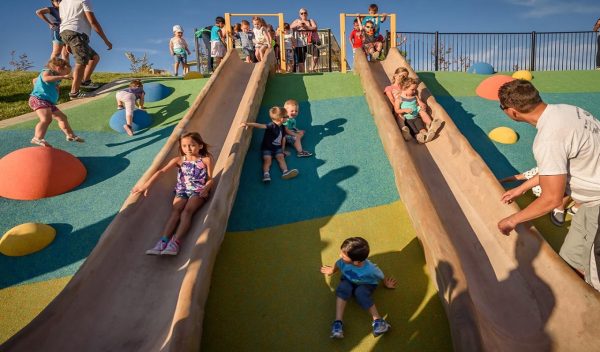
(15, 87)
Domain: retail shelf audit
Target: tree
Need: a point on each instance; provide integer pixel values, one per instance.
(22, 63)
(139, 65)
(445, 62)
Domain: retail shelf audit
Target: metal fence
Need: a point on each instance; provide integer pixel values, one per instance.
(535, 51)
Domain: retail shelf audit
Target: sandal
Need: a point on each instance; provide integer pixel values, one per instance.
(75, 138)
(41, 142)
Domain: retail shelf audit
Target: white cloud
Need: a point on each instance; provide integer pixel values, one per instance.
(139, 50)
(156, 41)
(545, 8)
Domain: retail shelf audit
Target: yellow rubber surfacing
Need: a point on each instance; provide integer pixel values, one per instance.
(267, 292)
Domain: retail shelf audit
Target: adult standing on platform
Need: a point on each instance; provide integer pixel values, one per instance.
(304, 28)
(77, 19)
(567, 151)
(596, 27)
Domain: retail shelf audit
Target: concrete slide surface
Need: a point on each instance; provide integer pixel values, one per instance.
(501, 293)
(124, 300)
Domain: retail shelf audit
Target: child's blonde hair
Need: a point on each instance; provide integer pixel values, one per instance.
(407, 82)
(57, 62)
(277, 113)
(291, 102)
(399, 74)
(136, 83)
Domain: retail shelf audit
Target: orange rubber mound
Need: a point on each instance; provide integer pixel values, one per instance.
(39, 172)
(488, 88)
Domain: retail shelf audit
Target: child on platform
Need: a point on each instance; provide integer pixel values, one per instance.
(273, 143)
(247, 39)
(375, 18)
(356, 36)
(410, 106)
(359, 278)
(293, 135)
(290, 45)
(194, 182)
(372, 42)
(217, 41)
(179, 50)
(43, 101)
(262, 38)
(128, 98)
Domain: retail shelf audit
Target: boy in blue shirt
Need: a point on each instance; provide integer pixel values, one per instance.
(359, 278)
(374, 17)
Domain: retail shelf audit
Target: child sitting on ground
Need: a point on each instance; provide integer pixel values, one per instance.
(262, 38)
(43, 101)
(247, 39)
(194, 181)
(293, 135)
(392, 92)
(217, 41)
(532, 181)
(409, 105)
(360, 278)
(179, 50)
(273, 143)
(129, 98)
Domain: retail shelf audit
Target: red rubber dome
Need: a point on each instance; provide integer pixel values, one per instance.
(488, 88)
(39, 172)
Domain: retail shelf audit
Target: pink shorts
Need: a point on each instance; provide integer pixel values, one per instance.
(36, 103)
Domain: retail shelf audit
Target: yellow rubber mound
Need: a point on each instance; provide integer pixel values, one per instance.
(504, 135)
(26, 238)
(193, 75)
(523, 74)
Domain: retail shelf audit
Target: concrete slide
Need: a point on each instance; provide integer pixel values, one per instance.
(123, 300)
(501, 293)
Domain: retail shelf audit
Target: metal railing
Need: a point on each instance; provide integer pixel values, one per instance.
(535, 51)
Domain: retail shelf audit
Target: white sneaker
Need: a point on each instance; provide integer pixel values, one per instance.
(158, 247)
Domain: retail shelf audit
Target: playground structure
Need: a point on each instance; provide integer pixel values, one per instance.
(500, 293)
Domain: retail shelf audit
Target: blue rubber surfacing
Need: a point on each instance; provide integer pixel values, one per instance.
(347, 151)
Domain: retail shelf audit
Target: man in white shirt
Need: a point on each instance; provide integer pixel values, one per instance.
(567, 151)
(77, 20)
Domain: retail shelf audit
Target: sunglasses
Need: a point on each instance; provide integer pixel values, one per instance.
(368, 27)
(304, 13)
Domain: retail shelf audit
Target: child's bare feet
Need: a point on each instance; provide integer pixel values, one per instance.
(120, 107)
(128, 129)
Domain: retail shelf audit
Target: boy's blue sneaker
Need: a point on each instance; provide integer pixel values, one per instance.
(380, 327)
(337, 330)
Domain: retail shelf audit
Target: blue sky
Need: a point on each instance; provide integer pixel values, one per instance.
(145, 26)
